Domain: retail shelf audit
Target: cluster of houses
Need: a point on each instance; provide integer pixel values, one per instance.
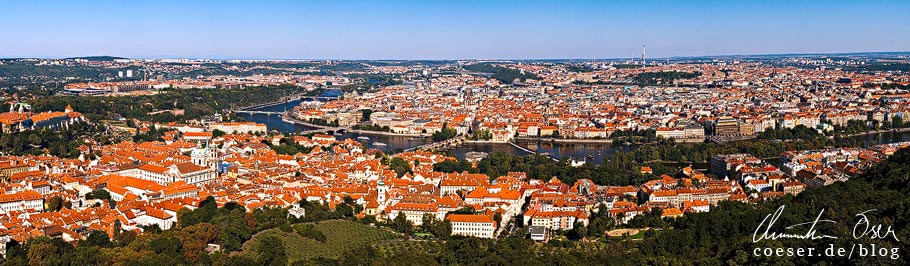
(21, 118)
(733, 101)
(151, 181)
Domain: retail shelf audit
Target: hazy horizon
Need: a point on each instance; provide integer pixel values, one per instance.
(467, 30)
(454, 59)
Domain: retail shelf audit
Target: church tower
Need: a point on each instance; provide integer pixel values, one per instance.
(381, 190)
(200, 155)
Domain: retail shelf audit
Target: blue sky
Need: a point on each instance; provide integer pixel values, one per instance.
(447, 29)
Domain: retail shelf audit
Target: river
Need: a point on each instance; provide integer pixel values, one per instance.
(274, 122)
(591, 152)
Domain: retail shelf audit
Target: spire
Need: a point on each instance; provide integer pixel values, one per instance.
(643, 55)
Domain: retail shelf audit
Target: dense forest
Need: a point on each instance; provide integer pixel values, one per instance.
(288, 146)
(879, 67)
(196, 103)
(503, 74)
(620, 169)
(368, 81)
(62, 143)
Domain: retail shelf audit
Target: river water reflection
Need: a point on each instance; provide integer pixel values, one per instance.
(591, 152)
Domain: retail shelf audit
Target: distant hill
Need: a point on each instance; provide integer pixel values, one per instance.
(98, 58)
(503, 74)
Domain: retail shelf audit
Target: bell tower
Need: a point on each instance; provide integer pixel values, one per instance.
(381, 190)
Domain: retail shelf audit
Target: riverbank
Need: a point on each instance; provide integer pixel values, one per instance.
(594, 150)
(605, 141)
(283, 100)
(287, 118)
(484, 142)
(692, 140)
(593, 141)
(532, 152)
(384, 133)
(880, 131)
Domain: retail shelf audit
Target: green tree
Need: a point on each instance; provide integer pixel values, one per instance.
(218, 133)
(445, 133)
(402, 225)
(88, 256)
(578, 232)
(464, 210)
(195, 239)
(365, 114)
(96, 238)
(503, 73)
(400, 166)
(55, 203)
(483, 134)
(101, 194)
(125, 238)
(665, 77)
(169, 246)
(272, 251)
(452, 166)
(431, 225)
(34, 139)
(310, 231)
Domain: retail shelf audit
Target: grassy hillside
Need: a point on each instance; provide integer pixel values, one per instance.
(388, 249)
(340, 236)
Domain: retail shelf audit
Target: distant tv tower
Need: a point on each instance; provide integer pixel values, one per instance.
(642, 54)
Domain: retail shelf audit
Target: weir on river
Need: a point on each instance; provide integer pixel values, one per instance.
(531, 152)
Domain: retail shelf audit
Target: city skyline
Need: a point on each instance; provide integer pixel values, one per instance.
(454, 133)
(438, 31)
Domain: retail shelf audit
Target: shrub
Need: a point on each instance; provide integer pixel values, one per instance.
(286, 228)
(310, 231)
